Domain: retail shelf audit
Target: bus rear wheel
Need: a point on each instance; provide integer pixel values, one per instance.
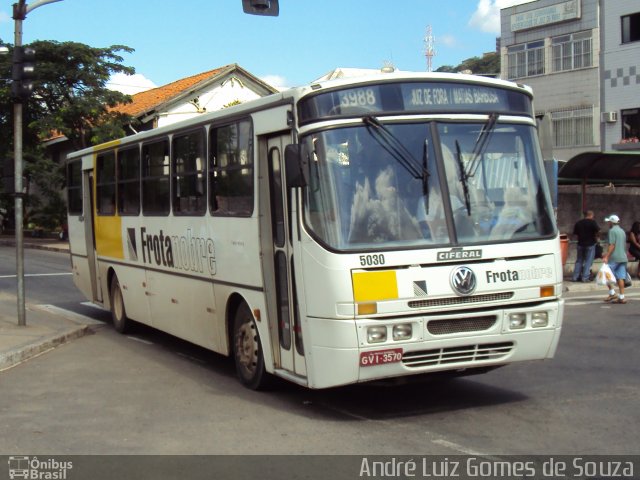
(247, 351)
(118, 312)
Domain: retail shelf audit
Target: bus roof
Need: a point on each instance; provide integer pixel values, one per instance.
(292, 95)
(414, 76)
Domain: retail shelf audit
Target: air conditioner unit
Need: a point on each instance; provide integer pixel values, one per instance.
(610, 117)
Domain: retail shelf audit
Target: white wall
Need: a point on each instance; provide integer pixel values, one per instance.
(212, 99)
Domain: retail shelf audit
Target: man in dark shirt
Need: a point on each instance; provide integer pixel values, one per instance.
(586, 232)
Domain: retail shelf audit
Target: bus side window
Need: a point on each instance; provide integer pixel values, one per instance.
(188, 174)
(128, 173)
(106, 183)
(231, 170)
(155, 178)
(74, 188)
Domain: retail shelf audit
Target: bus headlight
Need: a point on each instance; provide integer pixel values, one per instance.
(539, 319)
(377, 334)
(517, 321)
(402, 331)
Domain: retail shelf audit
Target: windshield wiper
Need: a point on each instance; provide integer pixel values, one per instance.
(425, 175)
(394, 147)
(481, 144)
(478, 150)
(464, 178)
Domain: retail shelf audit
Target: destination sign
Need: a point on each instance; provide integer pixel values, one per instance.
(426, 97)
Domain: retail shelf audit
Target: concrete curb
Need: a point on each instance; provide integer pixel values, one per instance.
(18, 355)
(51, 246)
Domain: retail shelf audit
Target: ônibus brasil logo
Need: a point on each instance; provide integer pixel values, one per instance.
(187, 252)
(37, 469)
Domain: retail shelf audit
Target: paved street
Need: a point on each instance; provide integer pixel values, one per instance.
(151, 393)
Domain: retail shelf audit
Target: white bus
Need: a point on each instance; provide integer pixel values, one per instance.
(340, 232)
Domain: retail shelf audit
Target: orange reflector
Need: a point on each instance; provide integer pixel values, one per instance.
(256, 314)
(367, 308)
(547, 291)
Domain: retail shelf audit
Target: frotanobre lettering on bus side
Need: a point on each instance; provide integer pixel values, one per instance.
(182, 252)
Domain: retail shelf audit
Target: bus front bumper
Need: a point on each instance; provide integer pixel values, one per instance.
(351, 351)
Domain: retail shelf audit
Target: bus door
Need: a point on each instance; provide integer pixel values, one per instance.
(89, 233)
(91, 248)
(283, 309)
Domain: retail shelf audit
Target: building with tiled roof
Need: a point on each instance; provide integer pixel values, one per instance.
(191, 96)
(180, 100)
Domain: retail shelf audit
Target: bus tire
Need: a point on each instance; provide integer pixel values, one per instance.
(247, 350)
(118, 313)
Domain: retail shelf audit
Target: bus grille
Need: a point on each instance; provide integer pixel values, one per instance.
(458, 325)
(464, 354)
(443, 302)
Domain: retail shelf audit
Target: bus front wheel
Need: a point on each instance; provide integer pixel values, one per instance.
(247, 350)
(118, 313)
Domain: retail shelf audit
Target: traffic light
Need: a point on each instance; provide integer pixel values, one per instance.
(23, 70)
(261, 7)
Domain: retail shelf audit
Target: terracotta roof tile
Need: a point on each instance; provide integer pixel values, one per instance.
(145, 101)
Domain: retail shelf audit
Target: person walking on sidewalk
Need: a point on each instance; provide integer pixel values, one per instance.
(616, 257)
(586, 232)
(634, 243)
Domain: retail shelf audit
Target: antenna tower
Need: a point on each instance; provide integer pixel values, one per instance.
(429, 48)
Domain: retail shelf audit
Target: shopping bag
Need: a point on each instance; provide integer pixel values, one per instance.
(627, 281)
(605, 275)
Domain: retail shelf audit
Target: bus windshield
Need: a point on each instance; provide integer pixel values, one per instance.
(415, 184)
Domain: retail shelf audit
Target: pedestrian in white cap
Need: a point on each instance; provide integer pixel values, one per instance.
(616, 257)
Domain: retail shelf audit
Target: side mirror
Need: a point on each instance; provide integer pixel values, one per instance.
(296, 166)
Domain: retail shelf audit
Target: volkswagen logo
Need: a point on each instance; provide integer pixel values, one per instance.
(463, 281)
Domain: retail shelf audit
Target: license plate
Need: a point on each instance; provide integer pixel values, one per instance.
(392, 355)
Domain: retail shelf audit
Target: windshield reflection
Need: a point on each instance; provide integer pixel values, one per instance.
(361, 195)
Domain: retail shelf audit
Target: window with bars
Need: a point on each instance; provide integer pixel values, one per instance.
(570, 52)
(525, 60)
(572, 127)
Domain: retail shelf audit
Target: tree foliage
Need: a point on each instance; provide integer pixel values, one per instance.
(488, 64)
(71, 94)
(70, 99)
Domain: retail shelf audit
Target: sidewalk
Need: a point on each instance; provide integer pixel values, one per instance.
(51, 244)
(45, 328)
(48, 328)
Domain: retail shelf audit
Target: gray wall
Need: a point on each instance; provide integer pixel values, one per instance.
(603, 200)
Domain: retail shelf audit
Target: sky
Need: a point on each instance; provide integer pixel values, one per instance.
(174, 39)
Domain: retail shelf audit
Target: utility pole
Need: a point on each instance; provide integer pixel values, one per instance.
(20, 11)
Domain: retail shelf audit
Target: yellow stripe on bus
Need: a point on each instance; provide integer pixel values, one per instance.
(109, 236)
(371, 286)
(104, 146)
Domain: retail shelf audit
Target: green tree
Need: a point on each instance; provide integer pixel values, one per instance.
(489, 63)
(71, 96)
(70, 99)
